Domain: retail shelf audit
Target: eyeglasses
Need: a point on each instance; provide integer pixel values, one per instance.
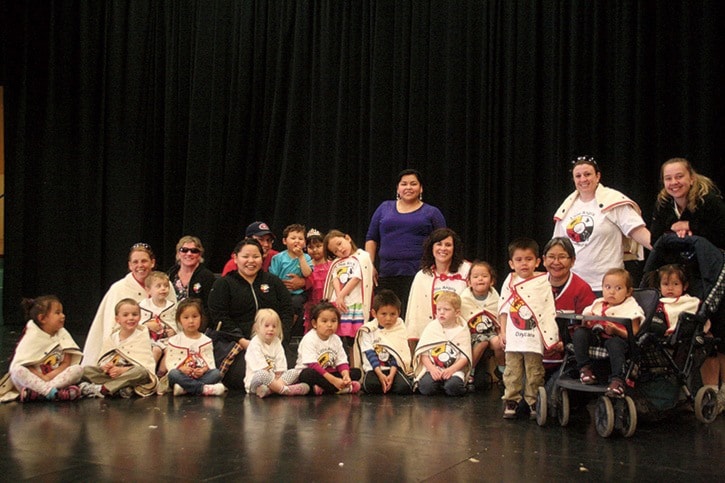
(195, 251)
(555, 258)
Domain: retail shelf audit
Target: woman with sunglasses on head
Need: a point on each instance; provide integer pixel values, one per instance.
(601, 223)
(141, 262)
(188, 276)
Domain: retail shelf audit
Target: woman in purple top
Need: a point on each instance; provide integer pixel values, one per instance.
(396, 234)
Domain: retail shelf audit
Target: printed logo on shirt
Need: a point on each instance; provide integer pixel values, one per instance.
(480, 324)
(270, 362)
(444, 355)
(194, 361)
(115, 359)
(343, 274)
(52, 360)
(327, 359)
(382, 353)
(521, 315)
(580, 228)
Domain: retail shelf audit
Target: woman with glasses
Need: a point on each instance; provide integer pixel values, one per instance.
(188, 276)
(601, 223)
(571, 292)
(141, 262)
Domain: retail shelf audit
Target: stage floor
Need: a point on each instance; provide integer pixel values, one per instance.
(339, 438)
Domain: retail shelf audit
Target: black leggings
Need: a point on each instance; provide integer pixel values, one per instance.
(313, 378)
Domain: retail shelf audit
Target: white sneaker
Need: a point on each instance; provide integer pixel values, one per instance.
(89, 389)
(217, 389)
(178, 390)
(262, 391)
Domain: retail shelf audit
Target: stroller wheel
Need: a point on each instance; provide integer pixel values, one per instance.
(628, 416)
(604, 417)
(563, 410)
(541, 406)
(706, 407)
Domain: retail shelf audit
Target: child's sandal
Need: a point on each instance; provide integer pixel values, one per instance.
(586, 376)
(615, 389)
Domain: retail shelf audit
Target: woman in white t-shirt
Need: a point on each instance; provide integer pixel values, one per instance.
(601, 223)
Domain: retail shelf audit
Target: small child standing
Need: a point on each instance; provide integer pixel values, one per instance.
(293, 261)
(617, 301)
(266, 363)
(674, 300)
(442, 359)
(479, 307)
(158, 311)
(527, 318)
(381, 348)
(46, 364)
(190, 355)
(349, 283)
(127, 363)
(322, 358)
(320, 268)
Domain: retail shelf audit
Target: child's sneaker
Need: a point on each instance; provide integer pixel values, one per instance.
(353, 388)
(299, 389)
(262, 391)
(470, 385)
(28, 395)
(90, 390)
(217, 389)
(178, 390)
(532, 411)
(318, 390)
(70, 393)
(509, 410)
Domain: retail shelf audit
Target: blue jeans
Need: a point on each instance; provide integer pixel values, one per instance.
(455, 386)
(191, 385)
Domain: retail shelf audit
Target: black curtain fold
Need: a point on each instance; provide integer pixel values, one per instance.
(136, 121)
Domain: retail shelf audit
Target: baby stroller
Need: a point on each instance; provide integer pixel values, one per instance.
(685, 350)
(610, 413)
(659, 370)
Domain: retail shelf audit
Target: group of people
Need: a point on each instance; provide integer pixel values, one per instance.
(434, 314)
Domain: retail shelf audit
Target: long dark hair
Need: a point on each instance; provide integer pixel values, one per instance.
(437, 235)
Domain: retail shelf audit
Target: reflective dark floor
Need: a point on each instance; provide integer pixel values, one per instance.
(338, 438)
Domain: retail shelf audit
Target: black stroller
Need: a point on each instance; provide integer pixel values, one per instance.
(610, 413)
(662, 373)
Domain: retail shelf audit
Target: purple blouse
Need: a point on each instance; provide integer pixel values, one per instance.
(400, 237)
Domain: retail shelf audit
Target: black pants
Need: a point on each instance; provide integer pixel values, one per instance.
(401, 384)
(312, 377)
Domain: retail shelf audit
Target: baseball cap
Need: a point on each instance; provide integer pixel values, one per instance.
(258, 228)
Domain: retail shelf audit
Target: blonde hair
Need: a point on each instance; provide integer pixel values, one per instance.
(190, 239)
(701, 186)
(450, 297)
(155, 275)
(265, 315)
(122, 302)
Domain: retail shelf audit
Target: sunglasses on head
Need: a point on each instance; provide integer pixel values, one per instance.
(187, 250)
(584, 159)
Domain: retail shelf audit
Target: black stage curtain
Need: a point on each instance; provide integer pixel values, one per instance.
(137, 121)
